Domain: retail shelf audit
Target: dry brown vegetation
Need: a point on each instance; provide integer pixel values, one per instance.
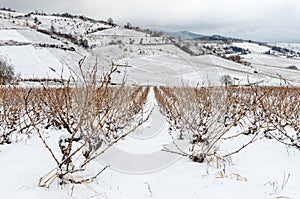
(208, 116)
(12, 117)
(93, 114)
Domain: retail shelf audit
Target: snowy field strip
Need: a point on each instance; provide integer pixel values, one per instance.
(252, 47)
(266, 60)
(30, 62)
(38, 38)
(12, 35)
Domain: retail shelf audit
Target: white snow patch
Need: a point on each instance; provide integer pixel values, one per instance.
(253, 47)
(12, 35)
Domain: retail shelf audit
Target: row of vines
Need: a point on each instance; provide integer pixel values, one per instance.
(208, 117)
(92, 116)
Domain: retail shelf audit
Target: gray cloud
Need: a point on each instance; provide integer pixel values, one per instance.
(266, 20)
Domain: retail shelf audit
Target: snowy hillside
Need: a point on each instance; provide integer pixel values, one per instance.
(181, 69)
(290, 46)
(252, 47)
(49, 45)
(182, 34)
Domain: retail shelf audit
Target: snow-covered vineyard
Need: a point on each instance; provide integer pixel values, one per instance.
(89, 109)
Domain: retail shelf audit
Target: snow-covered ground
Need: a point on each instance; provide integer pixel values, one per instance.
(262, 167)
(290, 46)
(32, 62)
(71, 26)
(122, 36)
(265, 169)
(275, 67)
(7, 35)
(273, 61)
(138, 166)
(181, 69)
(252, 47)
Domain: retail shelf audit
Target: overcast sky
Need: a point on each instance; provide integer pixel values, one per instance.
(263, 20)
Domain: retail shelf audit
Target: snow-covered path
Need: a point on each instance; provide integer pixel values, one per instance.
(140, 152)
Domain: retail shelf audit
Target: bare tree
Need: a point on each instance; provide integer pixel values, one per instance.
(226, 80)
(7, 75)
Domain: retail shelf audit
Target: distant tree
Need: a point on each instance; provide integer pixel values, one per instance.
(131, 41)
(7, 9)
(110, 21)
(128, 25)
(52, 29)
(7, 75)
(36, 21)
(235, 58)
(27, 23)
(137, 28)
(157, 34)
(68, 15)
(83, 42)
(293, 67)
(226, 80)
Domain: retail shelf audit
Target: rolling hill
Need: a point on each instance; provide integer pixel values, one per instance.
(50, 46)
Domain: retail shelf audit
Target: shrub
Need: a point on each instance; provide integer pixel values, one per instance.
(92, 112)
(293, 67)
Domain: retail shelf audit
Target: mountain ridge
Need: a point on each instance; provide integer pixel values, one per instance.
(184, 34)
